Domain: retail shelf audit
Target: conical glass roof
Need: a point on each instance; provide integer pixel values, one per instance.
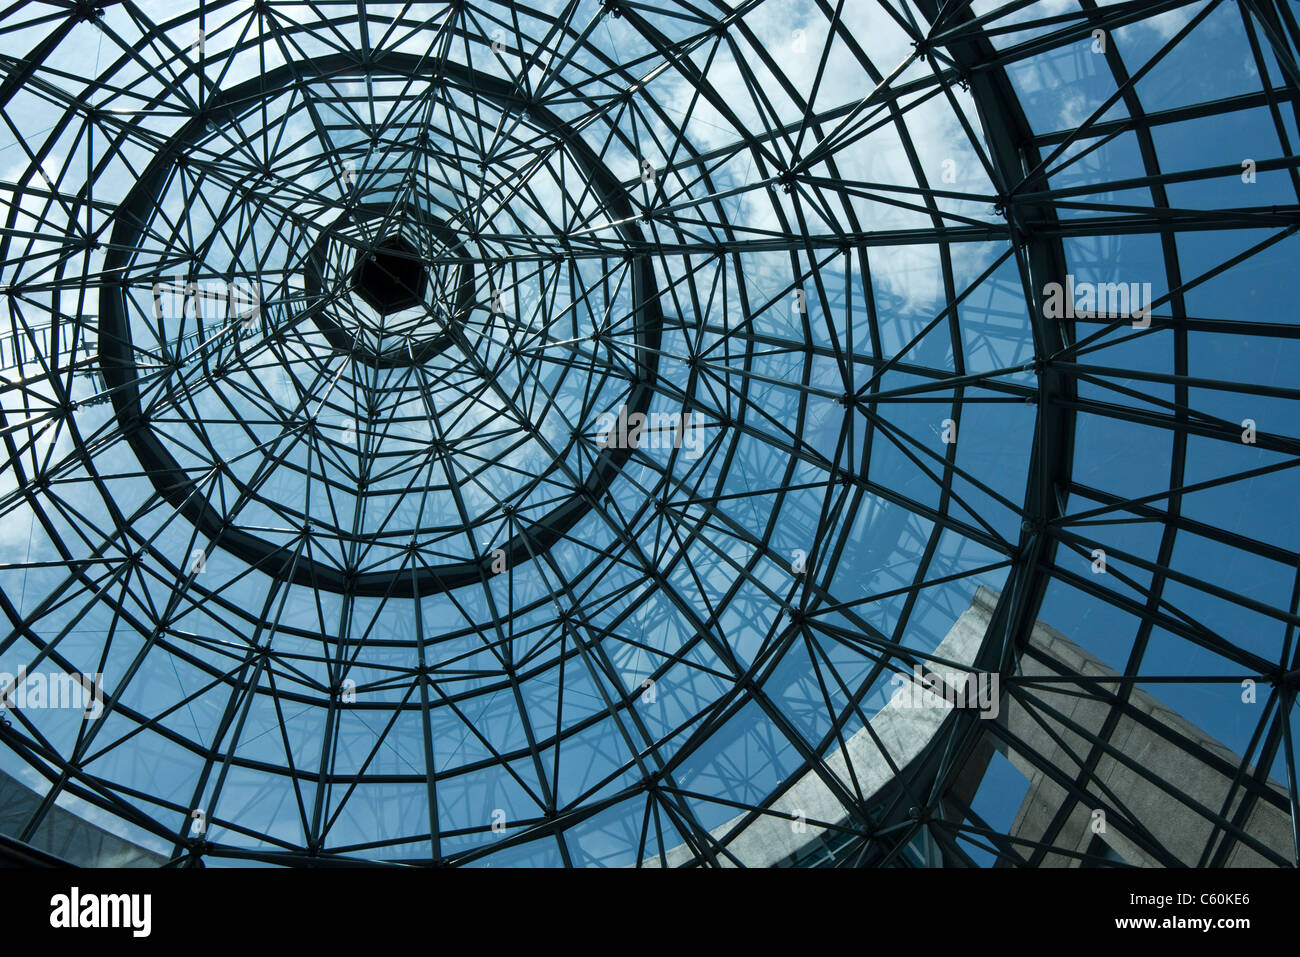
(554, 433)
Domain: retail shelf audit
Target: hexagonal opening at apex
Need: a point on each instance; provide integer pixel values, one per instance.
(391, 277)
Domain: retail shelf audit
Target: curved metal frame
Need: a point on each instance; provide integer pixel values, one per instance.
(570, 623)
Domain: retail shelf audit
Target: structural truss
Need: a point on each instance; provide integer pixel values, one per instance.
(552, 433)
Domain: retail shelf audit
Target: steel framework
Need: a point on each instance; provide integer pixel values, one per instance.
(313, 315)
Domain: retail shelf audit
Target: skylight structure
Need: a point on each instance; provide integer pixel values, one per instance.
(557, 433)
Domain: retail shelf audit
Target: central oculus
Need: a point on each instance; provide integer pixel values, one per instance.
(389, 285)
(399, 433)
(392, 277)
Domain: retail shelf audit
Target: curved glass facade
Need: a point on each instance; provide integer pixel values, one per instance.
(564, 433)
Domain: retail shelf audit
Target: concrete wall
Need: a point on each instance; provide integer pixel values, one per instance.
(1176, 826)
(903, 730)
(65, 834)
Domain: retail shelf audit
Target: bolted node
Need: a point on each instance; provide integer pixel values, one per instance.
(87, 12)
(1284, 681)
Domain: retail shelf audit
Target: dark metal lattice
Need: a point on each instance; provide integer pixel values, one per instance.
(318, 317)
